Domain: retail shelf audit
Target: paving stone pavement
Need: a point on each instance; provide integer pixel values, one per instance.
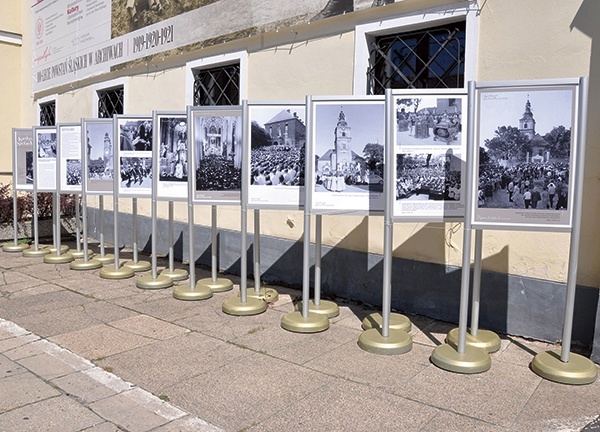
(82, 353)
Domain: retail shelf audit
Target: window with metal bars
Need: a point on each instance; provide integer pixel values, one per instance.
(48, 114)
(110, 102)
(217, 86)
(428, 58)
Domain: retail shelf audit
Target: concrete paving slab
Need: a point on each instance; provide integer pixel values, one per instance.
(10, 344)
(452, 422)
(352, 407)
(105, 427)
(188, 424)
(245, 393)
(30, 305)
(150, 327)
(100, 341)
(58, 414)
(9, 367)
(46, 366)
(18, 285)
(83, 387)
(22, 390)
(36, 290)
(127, 413)
(519, 351)
(165, 307)
(432, 334)
(36, 347)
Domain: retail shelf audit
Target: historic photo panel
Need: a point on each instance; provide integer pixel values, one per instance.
(98, 139)
(429, 149)
(172, 157)
(348, 147)
(23, 154)
(277, 155)
(70, 158)
(524, 157)
(217, 157)
(135, 156)
(45, 175)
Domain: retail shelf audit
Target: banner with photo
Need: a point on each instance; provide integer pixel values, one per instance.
(69, 158)
(346, 154)
(215, 144)
(171, 153)
(275, 142)
(97, 154)
(23, 159)
(45, 161)
(133, 155)
(429, 141)
(525, 155)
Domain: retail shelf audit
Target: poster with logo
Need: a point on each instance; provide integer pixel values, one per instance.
(429, 143)
(215, 141)
(45, 161)
(97, 154)
(275, 144)
(23, 159)
(69, 157)
(171, 155)
(133, 155)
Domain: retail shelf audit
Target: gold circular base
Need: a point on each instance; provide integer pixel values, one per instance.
(147, 282)
(473, 360)
(80, 254)
(485, 339)
(186, 292)
(326, 308)
(252, 306)
(138, 267)
(52, 258)
(90, 264)
(578, 370)
(32, 253)
(269, 295)
(106, 259)
(397, 322)
(397, 342)
(63, 249)
(313, 323)
(176, 274)
(217, 286)
(11, 247)
(120, 273)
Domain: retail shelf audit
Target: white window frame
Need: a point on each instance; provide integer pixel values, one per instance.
(240, 57)
(418, 20)
(110, 85)
(45, 100)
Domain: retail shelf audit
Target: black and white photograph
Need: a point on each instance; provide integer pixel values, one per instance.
(98, 140)
(29, 167)
(73, 172)
(429, 121)
(217, 150)
(46, 145)
(173, 154)
(277, 155)
(69, 138)
(524, 155)
(135, 135)
(23, 159)
(136, 173)
(349, 155)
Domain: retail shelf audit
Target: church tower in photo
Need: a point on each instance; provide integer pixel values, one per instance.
(343, 154)
(527, 122)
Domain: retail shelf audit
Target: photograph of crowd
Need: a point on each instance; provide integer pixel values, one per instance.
(277, 146)
(73, 172)
(135, 135)
(218, 152)
(173, 154)
(429, 121)
(99, 150)
(428, 176)
(46, 145)
(136, 173)
(524, 156)
(348, 147)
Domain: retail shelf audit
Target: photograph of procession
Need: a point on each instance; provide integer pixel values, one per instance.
(173, 152)
(217, 137)
(135, 156)
(348, 148)
(98, 136)
(524, 158)
(429, 121)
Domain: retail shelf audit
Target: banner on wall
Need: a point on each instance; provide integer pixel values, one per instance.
(69, 158)
(82, 38)
(23, 159)
(45, 159)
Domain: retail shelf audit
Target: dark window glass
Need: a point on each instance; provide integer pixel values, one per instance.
(217, 86)
(110, 102)
(48, 114)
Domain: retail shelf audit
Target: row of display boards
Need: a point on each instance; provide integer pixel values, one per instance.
(496, 156)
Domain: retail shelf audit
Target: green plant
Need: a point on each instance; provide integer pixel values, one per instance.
(25, 205)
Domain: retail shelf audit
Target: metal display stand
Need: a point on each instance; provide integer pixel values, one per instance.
(269, 295)
(15, 246)
(215, 283)
(87, 262)
(58, 256)
(79, 253)
(176, 274)
(36, 251)
(104, 258)
(135, 264)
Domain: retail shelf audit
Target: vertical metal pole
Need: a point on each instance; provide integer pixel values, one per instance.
(135, 240)
(57, 230)
(15, 215)
(171, 239)
(308, 187)
(575, 204)
(257, 250)
(55, 218)
(318, 251)
(213, 244)
(466, 255)
(386, 301)
(36, 242)
(475, 303)
(77, 222)
(84, 222)
(101, 213)
(116, 221)
(192, 258)
(244, 256)
(154, 231)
